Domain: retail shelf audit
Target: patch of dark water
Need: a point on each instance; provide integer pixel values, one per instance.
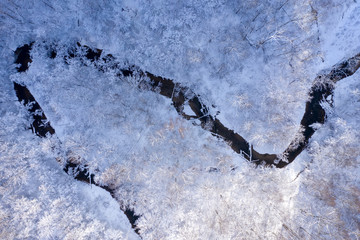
(39, 125)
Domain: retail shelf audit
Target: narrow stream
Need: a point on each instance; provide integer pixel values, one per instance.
(321, 90)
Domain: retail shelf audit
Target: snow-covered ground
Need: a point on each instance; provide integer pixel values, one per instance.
(253, 60)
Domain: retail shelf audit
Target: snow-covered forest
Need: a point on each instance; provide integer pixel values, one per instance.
(253, 64)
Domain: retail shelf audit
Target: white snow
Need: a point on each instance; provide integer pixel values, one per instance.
(253, 60)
